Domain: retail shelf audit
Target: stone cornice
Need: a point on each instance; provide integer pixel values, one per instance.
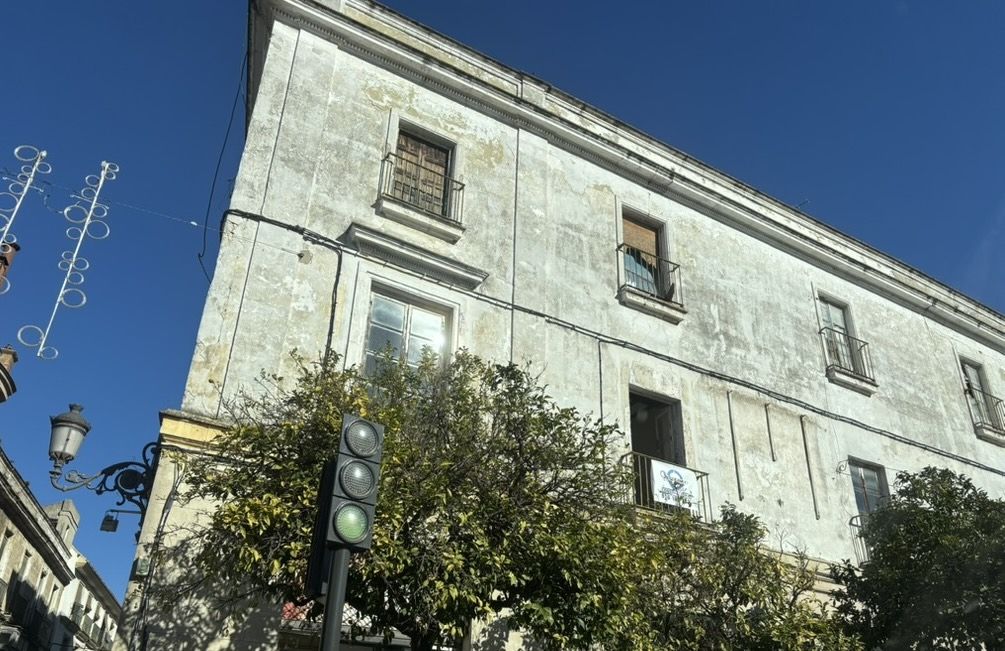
(189, 430)
(377, 34)
(415, 258)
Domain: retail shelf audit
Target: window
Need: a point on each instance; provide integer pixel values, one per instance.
(837, 335)
(661, 480)
(5, 544)
(421, 174)
(645, 269)
(845, 353)
(25, 566)
(406, 328)
(869, 484)
(986, 409)
(657, 429)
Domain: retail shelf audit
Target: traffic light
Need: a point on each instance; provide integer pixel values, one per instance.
(354, 485)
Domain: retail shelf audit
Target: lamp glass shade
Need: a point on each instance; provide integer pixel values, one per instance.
(68, 432)
(65, 442)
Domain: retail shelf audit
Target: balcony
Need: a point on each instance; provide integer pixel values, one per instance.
(421, 197)
(849, 363)
(862, 551)
(664, 487)
(988, 415)
(650, 284)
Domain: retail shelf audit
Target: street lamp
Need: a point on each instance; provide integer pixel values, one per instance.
(131, 480)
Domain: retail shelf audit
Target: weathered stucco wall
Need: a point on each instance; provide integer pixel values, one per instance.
(323, 120)
(542, 220)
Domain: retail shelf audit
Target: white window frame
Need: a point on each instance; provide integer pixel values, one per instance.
(410, 300)
(861, 376)
(989, 416)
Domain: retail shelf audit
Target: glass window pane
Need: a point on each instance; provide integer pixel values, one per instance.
(868, 485)
(417, 345)
(427, 325)
(389, 313)
(380, 337)
(833, 316)
(414, 351)
(871, 481)
(860, 499)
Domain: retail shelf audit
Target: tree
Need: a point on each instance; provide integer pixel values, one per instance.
(936, 572)
(494, 502)
(718, 588)
(492, 497)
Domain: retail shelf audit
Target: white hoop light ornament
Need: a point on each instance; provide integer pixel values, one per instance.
(33, 164)
(86, 217)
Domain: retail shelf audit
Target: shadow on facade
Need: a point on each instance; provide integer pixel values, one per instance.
(27, 624)
(179, 609)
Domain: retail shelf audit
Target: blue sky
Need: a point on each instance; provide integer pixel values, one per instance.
(882, 119)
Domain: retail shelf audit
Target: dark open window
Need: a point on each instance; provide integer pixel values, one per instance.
(657, 429)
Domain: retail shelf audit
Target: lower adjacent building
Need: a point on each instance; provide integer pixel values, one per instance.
(51, 597)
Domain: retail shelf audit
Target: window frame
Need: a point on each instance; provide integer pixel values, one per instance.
(667, 302)
(398, 126)
(884, 487)
(990, 416)
(410, 301)
(851, 366)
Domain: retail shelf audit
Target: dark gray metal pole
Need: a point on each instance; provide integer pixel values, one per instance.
(336, 600)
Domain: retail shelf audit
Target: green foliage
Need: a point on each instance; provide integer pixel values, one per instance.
(494, 501)
(936, 575)
(717, 588)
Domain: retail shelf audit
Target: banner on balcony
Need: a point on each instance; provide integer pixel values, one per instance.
(676, 486)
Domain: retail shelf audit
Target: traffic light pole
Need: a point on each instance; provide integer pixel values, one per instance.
(336, 600)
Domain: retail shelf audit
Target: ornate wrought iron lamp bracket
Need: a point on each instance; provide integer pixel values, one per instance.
(131, 480)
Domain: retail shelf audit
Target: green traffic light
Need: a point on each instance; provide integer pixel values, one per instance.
(351, 523)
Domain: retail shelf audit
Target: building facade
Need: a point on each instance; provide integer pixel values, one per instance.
(50, 595)
(398, 187)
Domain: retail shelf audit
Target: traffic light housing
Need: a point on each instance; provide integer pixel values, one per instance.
(319, 563)
(354, 481)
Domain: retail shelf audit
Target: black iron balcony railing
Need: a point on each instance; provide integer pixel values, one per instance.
(662, 486)
(424, 188)
(652, 275)
(862, 551)
(985, 409)
(847, 353)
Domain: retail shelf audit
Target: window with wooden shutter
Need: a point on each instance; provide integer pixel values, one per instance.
(420, 175)
(641, 249)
